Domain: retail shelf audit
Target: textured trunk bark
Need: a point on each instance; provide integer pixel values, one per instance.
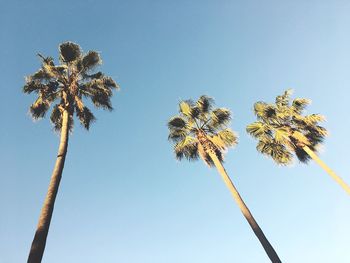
(39, 241)
(244, 209)
(327, 169)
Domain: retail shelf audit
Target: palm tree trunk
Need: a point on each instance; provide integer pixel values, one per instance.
(39, 241)
(338, 179)
(244, 209)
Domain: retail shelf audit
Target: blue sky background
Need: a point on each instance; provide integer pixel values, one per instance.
(123, 197)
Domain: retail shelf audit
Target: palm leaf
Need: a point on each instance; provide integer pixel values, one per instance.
(69, 52)
(91, 60)
(39, 108)
(300, 104)
(187, 148)
(224, 139)
(205, 104)
(176, 123)
(258, 129)
(220, 117)
(85, 116)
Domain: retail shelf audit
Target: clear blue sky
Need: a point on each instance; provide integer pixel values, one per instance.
(123, 197)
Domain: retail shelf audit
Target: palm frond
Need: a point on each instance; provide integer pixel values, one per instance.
(185, 108)
(258, 129)
(281, 135)
(40, 75)
(177, 135)
(176, 123)
(205, 104)
(110, 83)
(220, 118)
(313, 119)
(206, 157)
(224, 139)
(264, 111)
(187, 148)
(276, 151)
(302, 156)
(33, 86)
(56, 118)
(284, 99)
(85, 117)
(102, 100)
(178, 129)
(39, 108)
(97, 75)
(300, 104)
(69, 52)
(91, 60)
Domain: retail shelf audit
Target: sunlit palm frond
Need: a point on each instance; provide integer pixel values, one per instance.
(187, 148)
(300, 104)
(189, 109)
(219, 119)
(281, 135)
(284, 99)
(205, 104)
(313, 119)
(265, 111)
(276, 151)
(224, 139)
(258, 129)
(185, 108)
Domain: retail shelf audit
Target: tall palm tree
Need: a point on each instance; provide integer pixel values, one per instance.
(67, 83)
(284, 132)
(201, 132)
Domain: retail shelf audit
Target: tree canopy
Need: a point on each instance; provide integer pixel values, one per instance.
(64, 85)
(197, 118)
(283, 130)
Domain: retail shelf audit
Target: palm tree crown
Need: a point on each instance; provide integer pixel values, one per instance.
(67, 83)
(283, 130)
(199, 126)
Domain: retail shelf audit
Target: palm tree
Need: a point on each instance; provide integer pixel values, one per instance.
(201, 132)
(284, 132)
(67, 83)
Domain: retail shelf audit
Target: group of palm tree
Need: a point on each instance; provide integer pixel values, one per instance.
(200, 131)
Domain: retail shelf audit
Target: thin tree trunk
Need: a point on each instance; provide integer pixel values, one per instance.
(338, 179)
(244, 209)
(39, 241)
